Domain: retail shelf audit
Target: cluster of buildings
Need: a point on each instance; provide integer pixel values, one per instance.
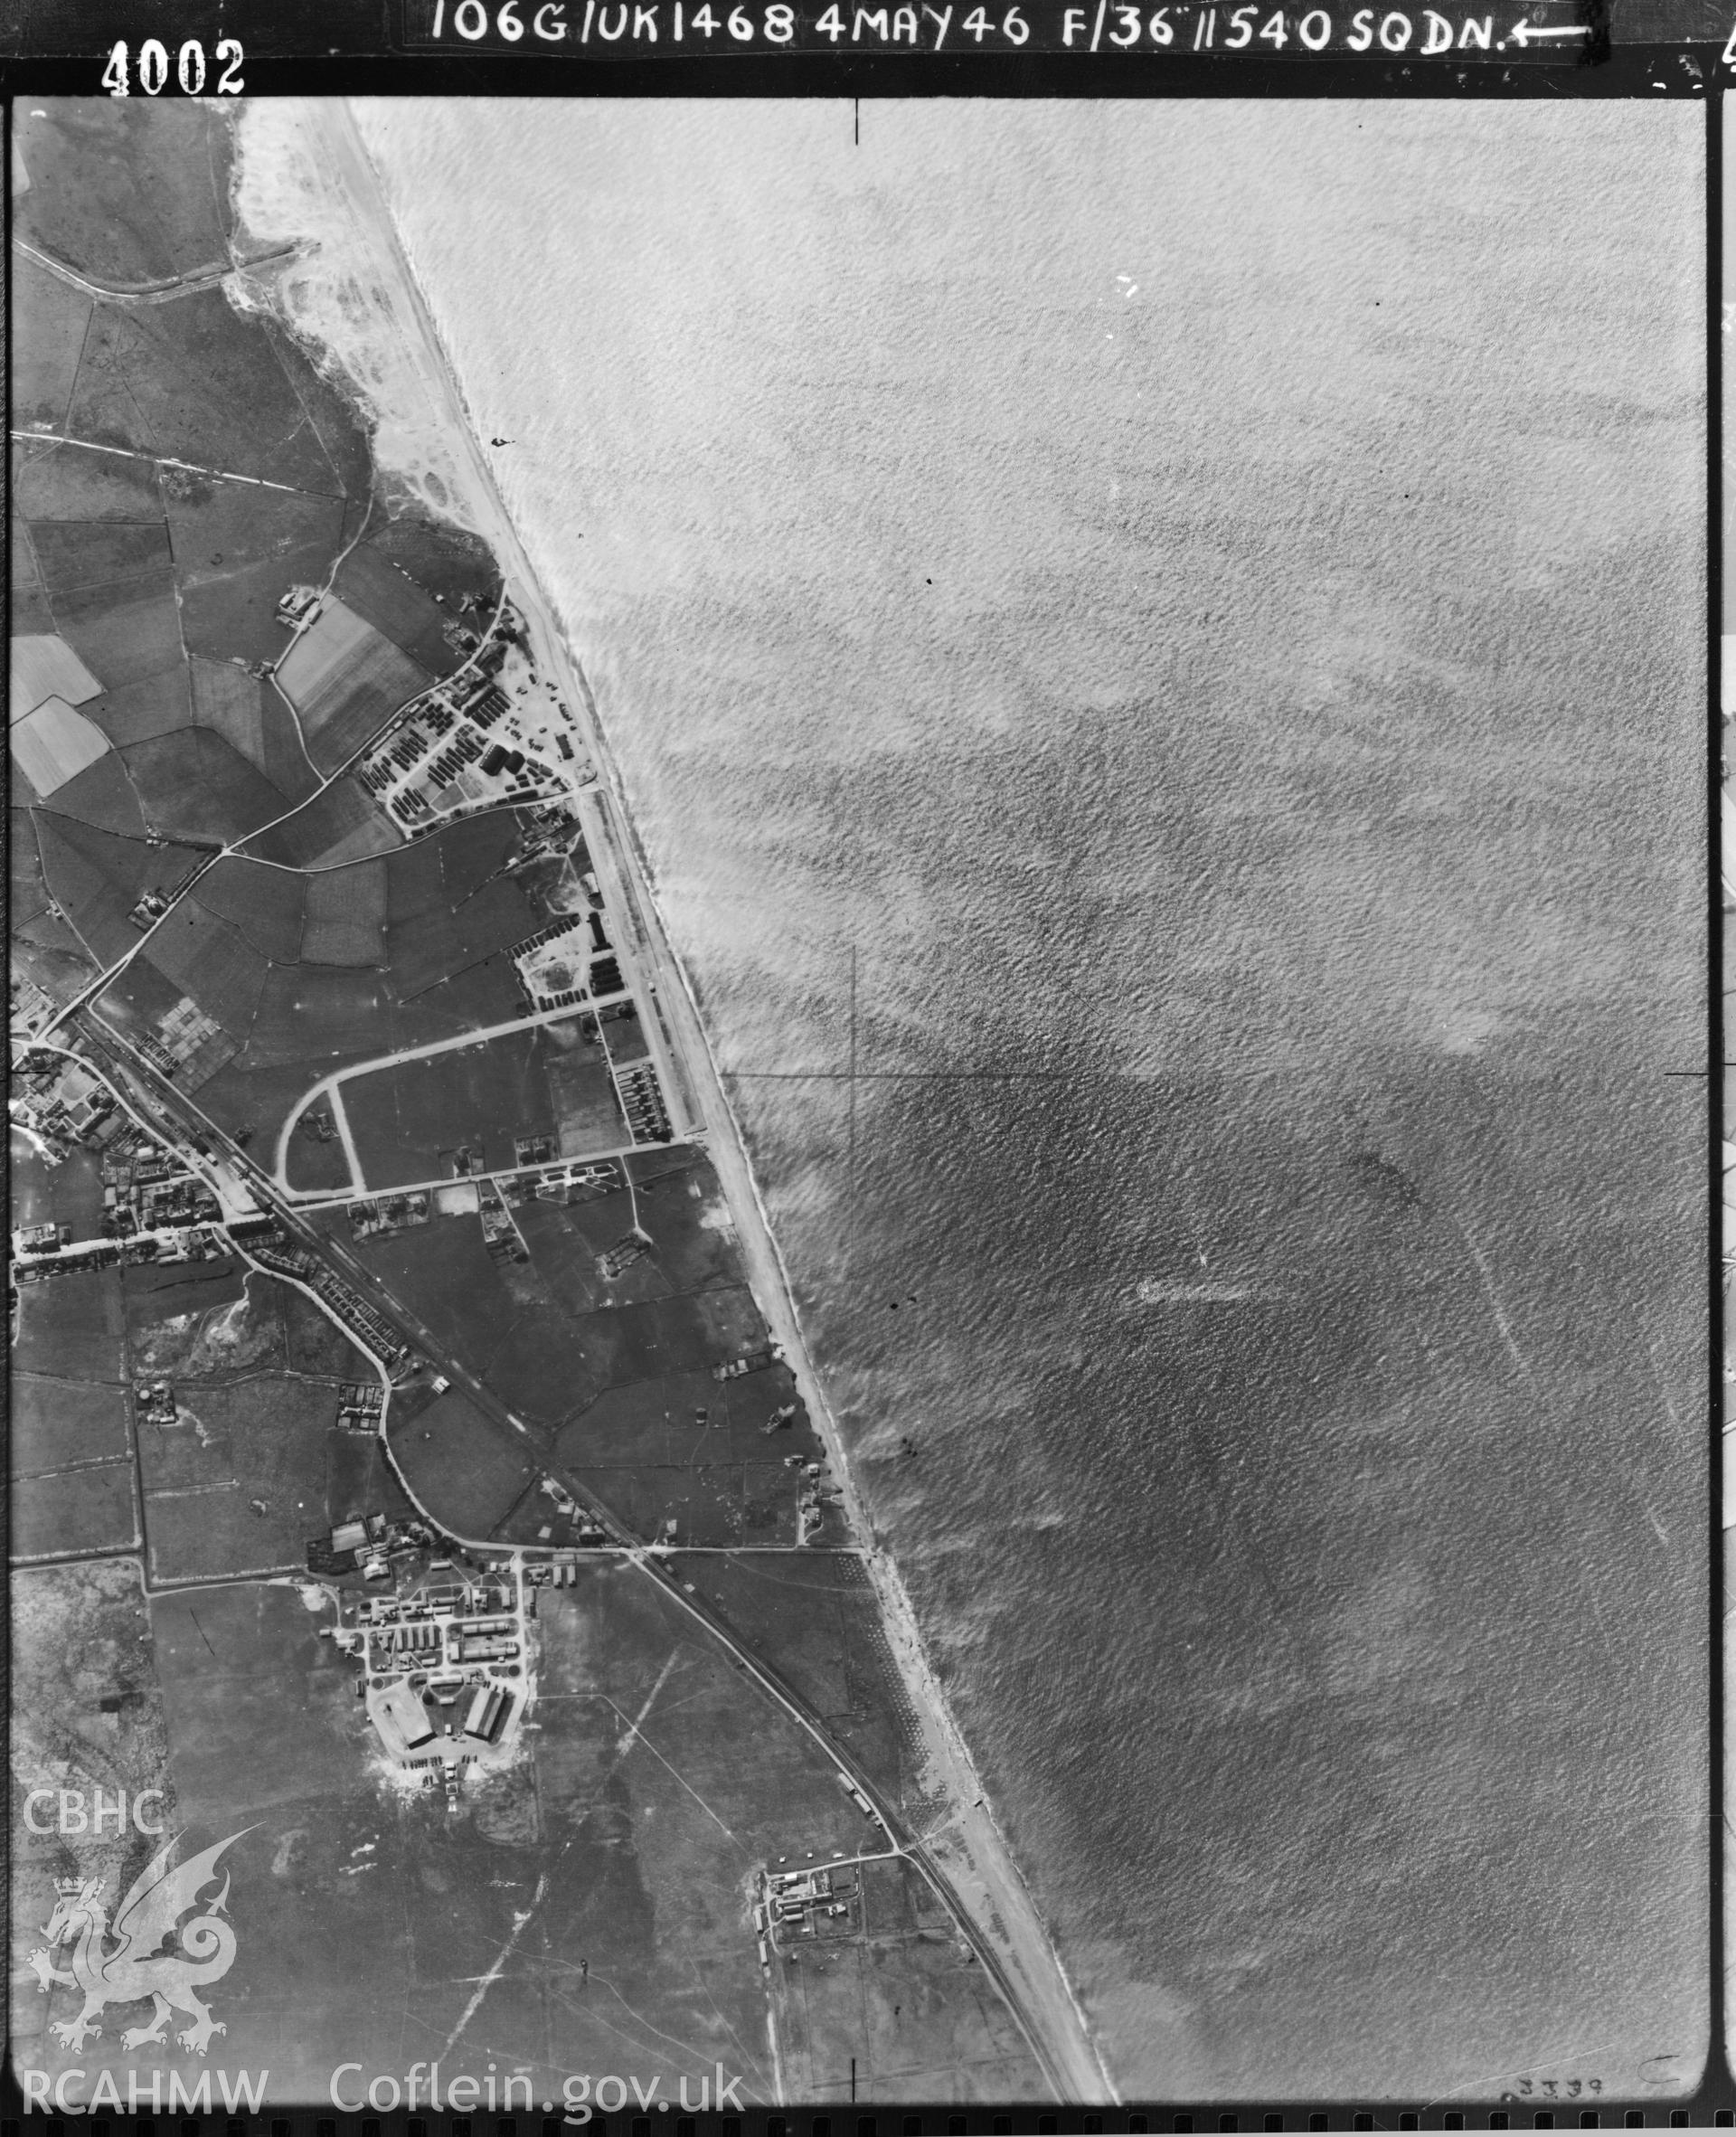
(493, 733)
(752, 1361)
(641, 1100)
(562, 1570)
(562, 1180)
(150, 909)
(812, 1902)
(153, 1208)
(59, 1103)
(575, 1182)
(151, 1195)
(367, 1543)
(31, 1009)
(378, 1215)
(500, 1233)
(153, 1403)
(58, 1254)
(361, 1405)
(617, 1260)
(569, 960)
(444, 1666)
(371, 1329)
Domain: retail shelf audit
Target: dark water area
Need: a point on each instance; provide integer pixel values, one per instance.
(1157, 657)
(1340, 1633)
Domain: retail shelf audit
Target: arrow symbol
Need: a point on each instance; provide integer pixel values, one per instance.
(1522, 33)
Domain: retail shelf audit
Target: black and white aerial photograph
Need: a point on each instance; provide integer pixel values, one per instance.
(862, 1260)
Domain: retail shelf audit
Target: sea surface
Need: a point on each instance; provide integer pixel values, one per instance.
(1157, 653)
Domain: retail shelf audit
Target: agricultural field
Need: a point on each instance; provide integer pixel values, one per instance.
(193, 381)
(72, 1511)
(345, 679)
(404, 1117)
(264, 906)
(586, 1112)
(316, 1344)
(70, 1193)
(345, 922)
(144, 1003)
(254, 720)
(163, 1290)
(50, 318)
(442, 560)
(211, 964)
(615, 1376)
(58, 1425)
(359, 1480)
(436, 931)
(126, 632)
(241, 546)
(816, 1619)
(383, 593)
(148, 594)
(919, 2020)
(53, 744)
(55, 481)
(73, 1328)
(236, 1484)
(155, 704)
(95, 878)
(121, 195)
(466, 1470)
(194, 784)
(337, 824)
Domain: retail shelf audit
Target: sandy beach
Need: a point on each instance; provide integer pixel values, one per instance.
(409, 383)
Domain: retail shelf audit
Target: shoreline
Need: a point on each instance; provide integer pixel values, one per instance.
(973, 1860)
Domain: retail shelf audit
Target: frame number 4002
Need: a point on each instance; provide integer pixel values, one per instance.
(189, 69)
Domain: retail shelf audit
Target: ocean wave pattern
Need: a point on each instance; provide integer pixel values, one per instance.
(1166, 639)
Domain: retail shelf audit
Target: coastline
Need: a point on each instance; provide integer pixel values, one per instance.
(967, 1855)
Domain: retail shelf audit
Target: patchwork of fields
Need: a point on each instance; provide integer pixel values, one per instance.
(275, 981)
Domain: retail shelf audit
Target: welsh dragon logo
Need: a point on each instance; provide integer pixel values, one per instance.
(138, 1966)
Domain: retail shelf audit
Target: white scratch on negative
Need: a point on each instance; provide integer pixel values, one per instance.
(1501, 1321)
(495, 1970)
(691, 1790)
(625, 1744)
(1579, 2055)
